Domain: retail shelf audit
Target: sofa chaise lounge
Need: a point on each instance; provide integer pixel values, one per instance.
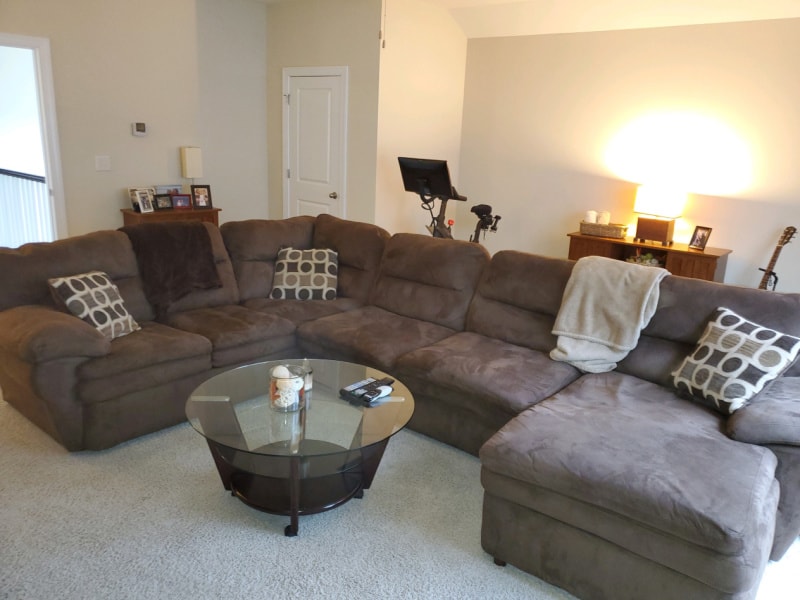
(610, 485)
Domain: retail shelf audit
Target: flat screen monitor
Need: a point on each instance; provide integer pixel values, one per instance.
(427, 177)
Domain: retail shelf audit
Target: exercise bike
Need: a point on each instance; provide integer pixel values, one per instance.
(430, 179)
(486, 221)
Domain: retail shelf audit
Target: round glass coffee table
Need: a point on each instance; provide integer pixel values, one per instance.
(302, 462)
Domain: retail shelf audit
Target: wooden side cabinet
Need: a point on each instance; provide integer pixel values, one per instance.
(678, 259)
(209, 215)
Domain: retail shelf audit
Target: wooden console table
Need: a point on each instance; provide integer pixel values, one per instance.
(209, 215)
(678, 259)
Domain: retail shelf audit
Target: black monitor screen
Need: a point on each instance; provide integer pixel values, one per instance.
(426, 177)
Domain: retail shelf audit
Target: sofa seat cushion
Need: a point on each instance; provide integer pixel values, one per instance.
(300, 311)
(634, 450)
(237, 334)
(153, 355)
(487, 374)
(368, 335)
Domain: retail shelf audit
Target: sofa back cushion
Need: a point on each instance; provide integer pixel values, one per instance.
(518, 299)
(359, 247)
(431, 279)
(227, 293)
(253, 246)
(684, 309)
(25, 270)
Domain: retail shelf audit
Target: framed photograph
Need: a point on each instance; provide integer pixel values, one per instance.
(163, 202)
(201, 196)
(700, 237)
(133, 193)
(145, 201)
(181, 201)
(172, 189)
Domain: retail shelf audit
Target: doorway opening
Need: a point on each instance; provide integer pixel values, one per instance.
(31, 191)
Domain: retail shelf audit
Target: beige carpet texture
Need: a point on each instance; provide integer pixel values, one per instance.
(150, 519)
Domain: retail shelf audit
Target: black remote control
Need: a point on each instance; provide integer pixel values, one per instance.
(360, 389)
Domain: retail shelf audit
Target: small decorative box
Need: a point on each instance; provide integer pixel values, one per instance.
(612, 230)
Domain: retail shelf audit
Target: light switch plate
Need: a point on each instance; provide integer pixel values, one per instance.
(139, 129)
(102, 163)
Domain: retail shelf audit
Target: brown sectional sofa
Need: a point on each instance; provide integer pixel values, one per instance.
(609, 485)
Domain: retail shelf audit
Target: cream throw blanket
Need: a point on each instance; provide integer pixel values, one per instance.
(606, 304)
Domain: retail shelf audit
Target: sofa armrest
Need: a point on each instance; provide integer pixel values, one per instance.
(37, 334)
(772, 418)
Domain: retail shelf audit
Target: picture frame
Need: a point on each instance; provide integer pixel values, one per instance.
(163, 202)
(201, 197)
(171, 189)
(133, 194)
(181, 202)
(145, 198)
(700, 238)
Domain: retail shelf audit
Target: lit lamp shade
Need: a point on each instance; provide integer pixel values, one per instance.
(191, 162)
(661, 207)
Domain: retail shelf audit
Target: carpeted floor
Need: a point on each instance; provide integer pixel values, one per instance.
(150, 519)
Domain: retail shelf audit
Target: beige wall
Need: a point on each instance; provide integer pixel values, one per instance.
(307, 33)
(540, 113)
(232, 105)
(421, 98)
(116, 62)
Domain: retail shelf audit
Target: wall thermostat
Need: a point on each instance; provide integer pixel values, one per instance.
(139, 129)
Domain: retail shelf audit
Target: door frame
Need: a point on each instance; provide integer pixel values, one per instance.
(288, 73)
(49, 125)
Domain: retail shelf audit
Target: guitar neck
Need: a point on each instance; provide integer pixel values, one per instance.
(769, 270)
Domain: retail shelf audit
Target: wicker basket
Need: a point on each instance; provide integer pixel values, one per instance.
(612, 230)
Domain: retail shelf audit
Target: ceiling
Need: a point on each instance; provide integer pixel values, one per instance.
(492, 18)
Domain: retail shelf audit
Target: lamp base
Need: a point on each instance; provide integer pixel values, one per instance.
(655, 230)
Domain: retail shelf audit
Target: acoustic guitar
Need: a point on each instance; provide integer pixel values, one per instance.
(770, 278)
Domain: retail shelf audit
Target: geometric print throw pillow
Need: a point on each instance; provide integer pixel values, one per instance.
(94, 298)
(734, 360)
(305, 275)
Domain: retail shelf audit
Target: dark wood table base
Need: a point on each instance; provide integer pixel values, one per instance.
(298, 485)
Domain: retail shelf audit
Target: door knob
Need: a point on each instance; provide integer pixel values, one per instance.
(333, 195)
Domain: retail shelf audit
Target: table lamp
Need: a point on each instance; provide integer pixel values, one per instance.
(661, 207)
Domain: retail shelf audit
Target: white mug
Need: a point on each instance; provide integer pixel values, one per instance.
(604, 217)
(591, 216)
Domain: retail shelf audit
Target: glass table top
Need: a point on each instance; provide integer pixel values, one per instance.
(233, 409)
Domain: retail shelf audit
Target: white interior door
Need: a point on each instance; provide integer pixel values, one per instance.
(314, 140)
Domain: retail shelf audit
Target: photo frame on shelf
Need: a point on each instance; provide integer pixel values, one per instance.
(700, 238)
(171, 189)
(145, 201)
(181, 202)
(133, 194)
(163, 202)
(201, 196)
